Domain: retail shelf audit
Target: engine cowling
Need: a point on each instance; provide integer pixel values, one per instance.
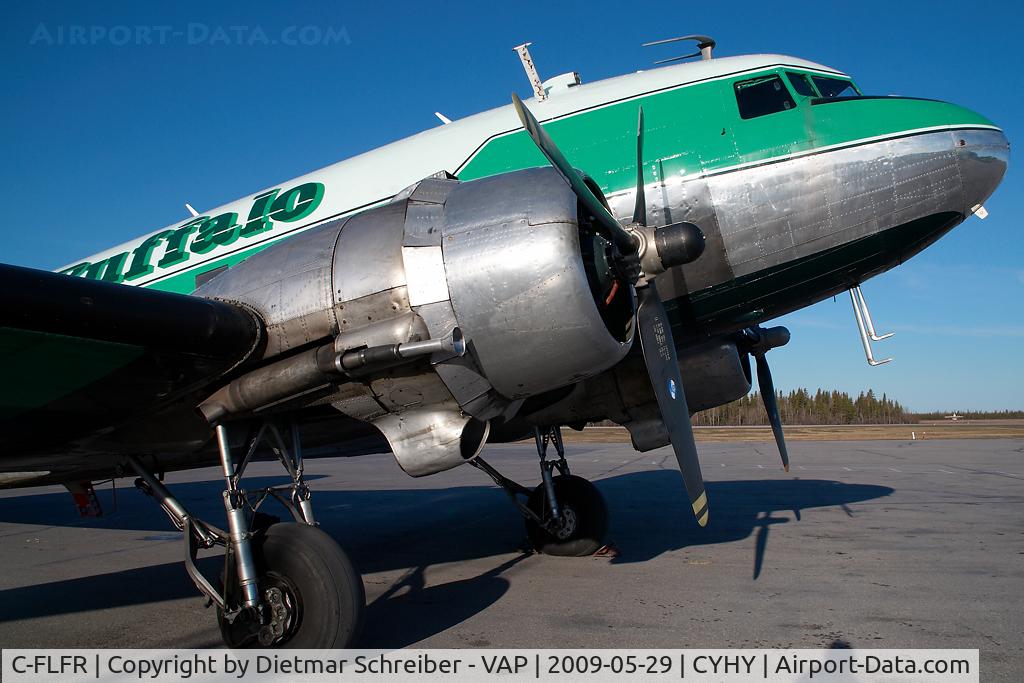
(714, 372)
(509, 261)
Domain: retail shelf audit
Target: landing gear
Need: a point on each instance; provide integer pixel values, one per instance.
(283, 584)
(312, 596)
(565, 515)
(581, 526)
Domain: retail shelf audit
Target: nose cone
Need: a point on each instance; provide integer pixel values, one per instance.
(983, 156)
(979, 146)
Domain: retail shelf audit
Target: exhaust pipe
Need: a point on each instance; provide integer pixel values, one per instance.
(316, 368)
(374, 358)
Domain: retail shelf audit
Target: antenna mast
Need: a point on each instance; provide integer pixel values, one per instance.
(531, 70)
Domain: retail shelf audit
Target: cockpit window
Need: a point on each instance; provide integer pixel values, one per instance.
(762, 96)
(834, 87)
(801, 84)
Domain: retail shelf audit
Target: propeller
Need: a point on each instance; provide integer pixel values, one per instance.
(663, 369)
(609, 227)
(656, 250)
(640, 207)
(771, 406)
(761, 340)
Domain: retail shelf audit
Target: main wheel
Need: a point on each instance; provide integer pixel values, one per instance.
(583, 518)
(312, 596)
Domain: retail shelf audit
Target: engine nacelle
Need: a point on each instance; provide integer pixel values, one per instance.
(503, 259)
(714, 373)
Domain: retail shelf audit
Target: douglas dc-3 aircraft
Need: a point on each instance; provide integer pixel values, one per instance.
(468, 285)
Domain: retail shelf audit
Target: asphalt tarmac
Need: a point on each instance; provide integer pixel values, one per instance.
(864, 544)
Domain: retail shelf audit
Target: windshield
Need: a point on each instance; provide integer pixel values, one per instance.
(801, 84)
(834, 87)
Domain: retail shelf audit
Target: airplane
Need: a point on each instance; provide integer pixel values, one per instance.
(600, 251)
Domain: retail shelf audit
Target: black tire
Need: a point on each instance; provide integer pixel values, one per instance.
(583, 513)
(322, 590)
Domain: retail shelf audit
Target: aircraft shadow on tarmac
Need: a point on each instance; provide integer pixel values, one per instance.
(413, 529)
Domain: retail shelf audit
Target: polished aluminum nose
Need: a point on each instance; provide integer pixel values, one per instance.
(983, 156)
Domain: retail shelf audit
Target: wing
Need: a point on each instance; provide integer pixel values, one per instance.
(81, 357)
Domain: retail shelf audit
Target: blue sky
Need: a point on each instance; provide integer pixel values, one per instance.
(106, 140)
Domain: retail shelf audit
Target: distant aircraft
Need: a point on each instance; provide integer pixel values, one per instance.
(954, 417)
(468, 285)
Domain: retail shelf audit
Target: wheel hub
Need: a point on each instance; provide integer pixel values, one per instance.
(281, 610)
(566, 525)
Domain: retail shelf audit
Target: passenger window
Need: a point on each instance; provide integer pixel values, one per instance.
(835, 87)
(801, 84)
(762, 96)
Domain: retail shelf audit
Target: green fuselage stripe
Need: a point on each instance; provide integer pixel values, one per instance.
(697, 129)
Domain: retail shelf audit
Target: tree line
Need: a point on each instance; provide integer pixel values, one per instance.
(799, 406)
(976, 415)
(830, 408)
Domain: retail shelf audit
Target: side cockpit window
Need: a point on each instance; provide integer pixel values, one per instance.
(762, 96)
(835, 87)
(801, 84)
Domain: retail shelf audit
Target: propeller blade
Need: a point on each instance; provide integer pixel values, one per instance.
(609, 226)
(640, 208)
(663, 368)
(771, 405)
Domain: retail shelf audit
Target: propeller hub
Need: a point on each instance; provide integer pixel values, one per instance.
(679, 243)
(667, 247)
(761, 340)
(640, 234)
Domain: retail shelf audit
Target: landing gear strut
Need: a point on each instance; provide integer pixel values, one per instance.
(565, 515)
(282, 583)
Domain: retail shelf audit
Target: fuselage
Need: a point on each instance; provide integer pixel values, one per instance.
(803, 186)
